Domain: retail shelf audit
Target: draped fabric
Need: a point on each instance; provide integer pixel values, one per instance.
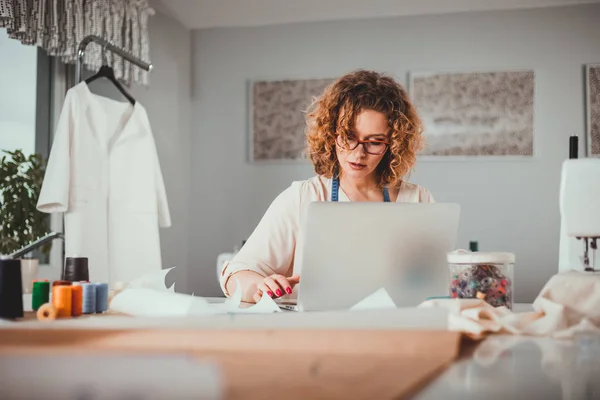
(58, 26)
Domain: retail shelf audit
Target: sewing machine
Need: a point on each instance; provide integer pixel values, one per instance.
(580, 214)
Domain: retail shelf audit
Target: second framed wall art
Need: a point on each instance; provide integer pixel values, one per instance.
(592, 79)
(476, 114)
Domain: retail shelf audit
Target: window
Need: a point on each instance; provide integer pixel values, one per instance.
(18, 81)
(24, 101)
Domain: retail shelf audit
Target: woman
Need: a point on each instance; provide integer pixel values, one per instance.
(363, 135)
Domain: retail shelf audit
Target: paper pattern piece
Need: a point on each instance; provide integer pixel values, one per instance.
(148, 299)
(154, 281)
(235, 300)
(265, 305)
(567, 304)
(379, 299)
(142, 302)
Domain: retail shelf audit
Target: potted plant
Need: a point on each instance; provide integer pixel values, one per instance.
(21, 180)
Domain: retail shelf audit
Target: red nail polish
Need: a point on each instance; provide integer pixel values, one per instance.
(279, 292)
(288, 290)
(270, 293)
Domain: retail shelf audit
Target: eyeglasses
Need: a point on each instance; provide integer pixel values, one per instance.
(374, 147)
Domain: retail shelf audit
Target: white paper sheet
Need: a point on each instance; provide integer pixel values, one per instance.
(144, 302)
(153, 280)
(264, 306)
(379, 299)
(235, 300)
(141, 302)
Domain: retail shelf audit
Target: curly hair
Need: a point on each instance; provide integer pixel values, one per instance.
(335, 111)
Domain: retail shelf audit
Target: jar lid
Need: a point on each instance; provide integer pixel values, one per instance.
(469, 257)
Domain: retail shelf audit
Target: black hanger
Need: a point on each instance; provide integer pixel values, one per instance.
(106, 71)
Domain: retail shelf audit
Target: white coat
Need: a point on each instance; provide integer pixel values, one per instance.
(104, 174)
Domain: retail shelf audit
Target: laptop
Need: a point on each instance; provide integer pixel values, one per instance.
(352, 249)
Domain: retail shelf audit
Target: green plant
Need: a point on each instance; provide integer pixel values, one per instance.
(21, 180)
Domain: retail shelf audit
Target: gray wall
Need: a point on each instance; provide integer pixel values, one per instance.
(507, 206)
(167, 100)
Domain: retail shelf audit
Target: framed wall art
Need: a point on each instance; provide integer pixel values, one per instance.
(592, 79)
(277, 118)
(471, 115)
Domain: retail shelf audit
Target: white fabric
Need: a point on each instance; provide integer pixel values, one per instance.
(104, 174)
(568, 303)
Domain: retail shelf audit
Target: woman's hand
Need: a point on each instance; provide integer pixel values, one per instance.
(276, 286)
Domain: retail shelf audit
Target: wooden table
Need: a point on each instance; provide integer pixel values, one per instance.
(260, 361)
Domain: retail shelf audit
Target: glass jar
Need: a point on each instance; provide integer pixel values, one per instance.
(482, 275)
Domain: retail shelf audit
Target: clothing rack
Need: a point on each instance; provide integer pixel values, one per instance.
(106, 45)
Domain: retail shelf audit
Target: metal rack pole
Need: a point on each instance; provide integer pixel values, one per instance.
(109, 46)
(36, 244)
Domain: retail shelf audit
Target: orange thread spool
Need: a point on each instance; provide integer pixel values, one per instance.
(46, 312)
(61, 299)
(76, 300)
(61, 283)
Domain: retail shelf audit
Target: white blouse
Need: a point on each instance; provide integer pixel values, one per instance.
(274, 244)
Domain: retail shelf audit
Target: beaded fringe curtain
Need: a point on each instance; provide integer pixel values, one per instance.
(58, 26)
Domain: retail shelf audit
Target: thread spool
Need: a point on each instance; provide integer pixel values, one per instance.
(76, 269)
(101, 297)
(88, 298)
(76, 300)
(11, 289)
(46, 312)
(40, 295)
(573, 147)
(61, 283)
(62, 300)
